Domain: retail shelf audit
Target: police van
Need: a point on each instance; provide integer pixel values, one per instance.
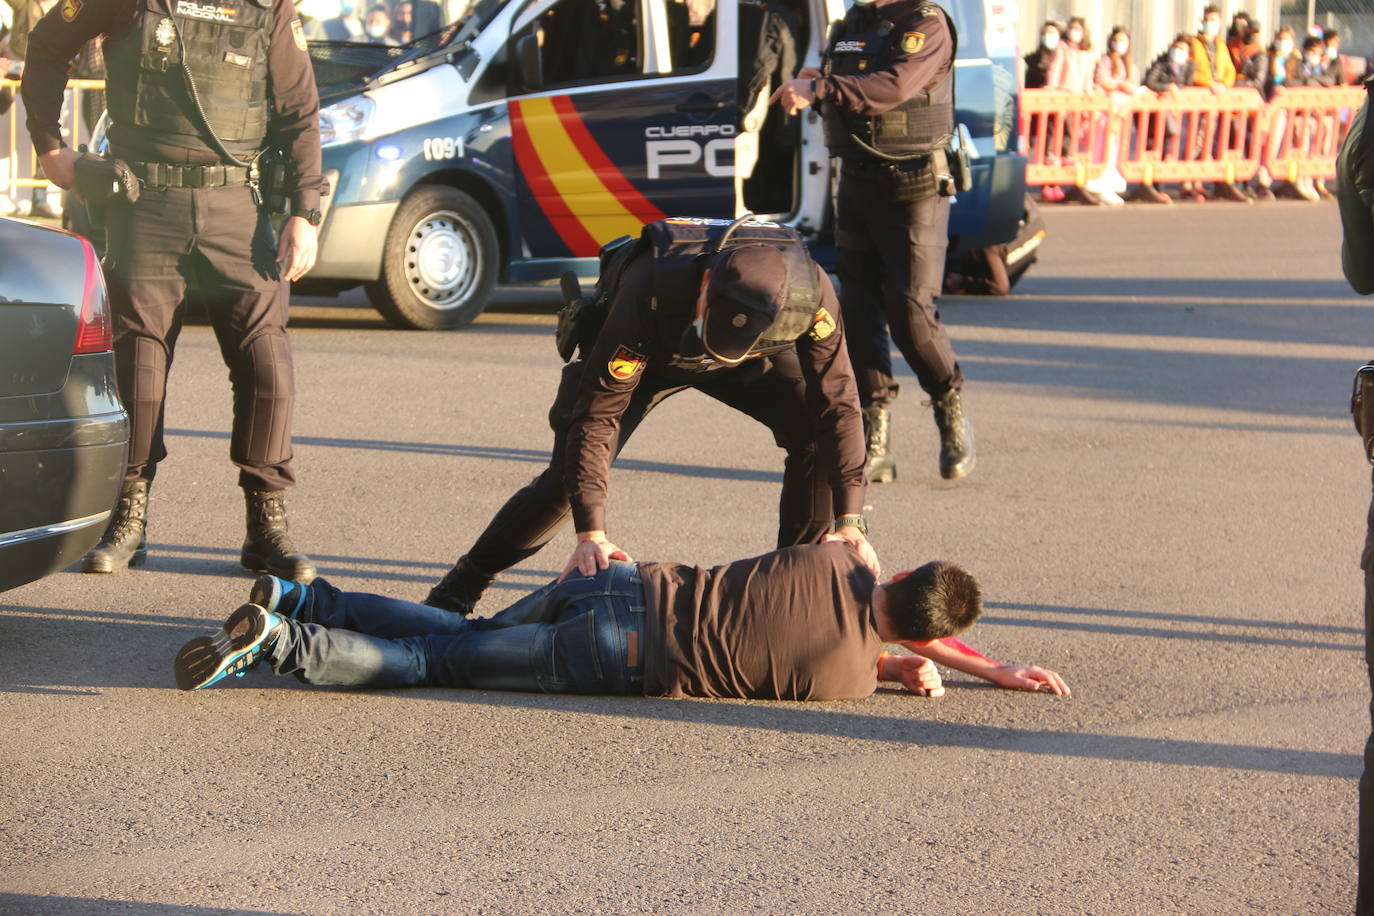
(508, 147)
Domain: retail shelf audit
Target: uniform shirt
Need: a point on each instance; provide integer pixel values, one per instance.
(629, 347)
(794, 624)
(294, 124)
(907, 73)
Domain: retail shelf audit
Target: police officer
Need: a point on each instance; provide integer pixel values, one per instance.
(886, 93)
(754, 325)
(197, 91)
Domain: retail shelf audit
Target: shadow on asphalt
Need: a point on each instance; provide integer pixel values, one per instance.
(500, 453)
(82, 906)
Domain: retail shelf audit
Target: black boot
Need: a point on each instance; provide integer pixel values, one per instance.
(460, 588)
(124, 542)
(956, 435)
(880, 466)
(267, 549)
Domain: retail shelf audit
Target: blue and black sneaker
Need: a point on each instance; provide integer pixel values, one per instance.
(281, 596)
(239, 646)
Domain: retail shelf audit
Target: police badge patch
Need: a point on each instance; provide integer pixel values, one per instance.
(70, 10)
(165, 33)
(913, 42)
(298, 33)
(624, 364)
(823, 326)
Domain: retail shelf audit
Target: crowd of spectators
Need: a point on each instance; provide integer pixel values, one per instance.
(378, 22)
(1066, 59)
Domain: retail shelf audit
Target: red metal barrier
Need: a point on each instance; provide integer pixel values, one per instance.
(1189, 135)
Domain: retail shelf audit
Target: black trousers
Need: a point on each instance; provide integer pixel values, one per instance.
(213, 247)
(772, 393)
(1364, 902)
(891, 267)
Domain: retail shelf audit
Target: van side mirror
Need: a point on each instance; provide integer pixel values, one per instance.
(531, 66)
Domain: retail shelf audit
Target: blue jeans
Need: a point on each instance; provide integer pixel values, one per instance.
(582, 635)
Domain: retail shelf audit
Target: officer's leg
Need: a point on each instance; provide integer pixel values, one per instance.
(777, 399)
(144, 266)
(532, 517)
(236, 276)
(912, 239)
(860, 268)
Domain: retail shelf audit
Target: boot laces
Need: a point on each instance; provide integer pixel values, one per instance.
(949, 414)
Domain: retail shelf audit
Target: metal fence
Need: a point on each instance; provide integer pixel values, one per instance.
(18, 163)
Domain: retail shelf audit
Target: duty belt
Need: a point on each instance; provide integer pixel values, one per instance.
(868, 166)
(164, 175)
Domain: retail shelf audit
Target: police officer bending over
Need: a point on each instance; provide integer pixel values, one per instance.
(887, 97)
(197, 91)
(751, 323)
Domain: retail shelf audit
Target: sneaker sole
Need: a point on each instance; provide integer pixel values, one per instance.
(208, 659)
(267, 594)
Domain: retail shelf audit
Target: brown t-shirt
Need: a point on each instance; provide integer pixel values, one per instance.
(794, 624)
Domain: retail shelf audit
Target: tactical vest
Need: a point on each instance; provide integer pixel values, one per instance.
(862, 43)
(225, 44)
(682, 248)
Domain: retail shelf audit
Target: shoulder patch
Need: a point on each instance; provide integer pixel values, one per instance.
(913, 42)
(71, 9)
(625, 363)
(823, 326)
(298, 33)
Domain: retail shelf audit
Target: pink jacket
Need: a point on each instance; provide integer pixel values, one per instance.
(1104, 79)
(1072, 69)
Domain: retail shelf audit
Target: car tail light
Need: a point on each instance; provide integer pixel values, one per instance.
(93, 334)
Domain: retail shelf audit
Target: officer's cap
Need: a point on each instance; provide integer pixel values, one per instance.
(748, 288)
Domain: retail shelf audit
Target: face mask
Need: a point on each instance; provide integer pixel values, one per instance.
(1050, 40)
(376, 31)
(1178, 56)
(1211, 27)
(1075, 35)
(1332, 52)
(1120, 46)
(1285, 48)
(1314, 60)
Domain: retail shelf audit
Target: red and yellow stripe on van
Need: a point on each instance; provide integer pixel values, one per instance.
(580, 190)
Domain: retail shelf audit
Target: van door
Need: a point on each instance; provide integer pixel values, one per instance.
(622, 112)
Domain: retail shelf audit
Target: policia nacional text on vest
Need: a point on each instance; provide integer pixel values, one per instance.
(683, 248)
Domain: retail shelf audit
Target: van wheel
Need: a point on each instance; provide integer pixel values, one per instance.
(439, 266)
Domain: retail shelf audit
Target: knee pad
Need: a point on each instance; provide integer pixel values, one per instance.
(264, 383)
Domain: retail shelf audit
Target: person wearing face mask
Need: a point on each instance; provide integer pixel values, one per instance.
(1252, 70)
(347, 26)
(1168, 73)
(1117, 75)
(1039, 63)
(378, 25)
(1213, 68)
(1338, 65)
(1072, 71)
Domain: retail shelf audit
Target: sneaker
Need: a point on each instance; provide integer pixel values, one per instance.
(237, 648)
(281, 597)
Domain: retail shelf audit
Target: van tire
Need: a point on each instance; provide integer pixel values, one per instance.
(440, 261)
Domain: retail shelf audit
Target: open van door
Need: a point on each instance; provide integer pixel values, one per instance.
(622, 112)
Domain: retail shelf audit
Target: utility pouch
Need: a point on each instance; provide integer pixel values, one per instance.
(945, 183)
(100, 181)
(1362, 407)
(272, 183)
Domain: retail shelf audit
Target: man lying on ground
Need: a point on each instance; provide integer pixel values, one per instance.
(800, 623)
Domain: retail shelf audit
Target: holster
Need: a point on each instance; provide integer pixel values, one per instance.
(571, 317)
(1362, 407)
(100, 181)
(946, 185)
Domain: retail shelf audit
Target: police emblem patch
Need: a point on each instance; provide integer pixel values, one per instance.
(913, 42)
(625, 363)
(823, 326)
(298, 33)
(165, 33)
(739, 320)
(71, 9)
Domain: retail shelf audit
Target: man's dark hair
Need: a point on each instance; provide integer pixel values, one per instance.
(933, 601)
(1209, 9)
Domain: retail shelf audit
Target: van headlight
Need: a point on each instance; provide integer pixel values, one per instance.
(345, 121)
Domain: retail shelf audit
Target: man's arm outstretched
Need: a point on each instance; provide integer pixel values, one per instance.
(954, 654)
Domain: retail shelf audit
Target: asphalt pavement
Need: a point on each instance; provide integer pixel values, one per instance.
(1167, 509)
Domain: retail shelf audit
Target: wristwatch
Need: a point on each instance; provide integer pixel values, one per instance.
(853, 521)
(312, 217)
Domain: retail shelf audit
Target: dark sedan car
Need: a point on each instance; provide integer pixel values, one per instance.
(63, 432)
